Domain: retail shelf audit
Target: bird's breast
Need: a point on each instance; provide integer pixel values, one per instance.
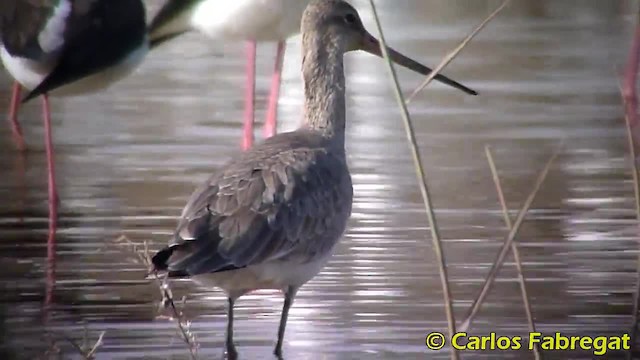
(27, 72)
(270, 275)
(259, 20)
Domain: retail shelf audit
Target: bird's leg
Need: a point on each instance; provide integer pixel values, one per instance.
(249, 96)
(289, 294)
(51, 270)
(53, 203)
(270, 125)
(53, 194)
(232, 354)
(13, 116)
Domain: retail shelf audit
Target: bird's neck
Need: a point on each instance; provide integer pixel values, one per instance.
(324, 85)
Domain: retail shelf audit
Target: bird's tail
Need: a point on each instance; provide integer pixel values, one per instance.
(159, 260)
(158, 40)
(171, 21)
(159, 265)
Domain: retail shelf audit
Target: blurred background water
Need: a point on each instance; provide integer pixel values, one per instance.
(128, 158)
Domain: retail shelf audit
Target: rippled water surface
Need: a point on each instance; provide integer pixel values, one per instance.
(127, 160)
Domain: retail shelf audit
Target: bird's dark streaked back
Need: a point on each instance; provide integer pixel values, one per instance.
(289, 190)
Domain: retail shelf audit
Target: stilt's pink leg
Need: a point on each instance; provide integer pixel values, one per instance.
(21, 183)
(53, 194)
(270, 125)
(13, 116)
(249, 97)
(51, 268)
(53, 204)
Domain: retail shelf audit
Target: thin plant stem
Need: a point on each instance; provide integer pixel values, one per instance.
(497, 264)
(629, 116)
(629, 93)
(167, 297)
(144, 257)
(424, 189)
(452, 55)
(514, 248)
(84, 350)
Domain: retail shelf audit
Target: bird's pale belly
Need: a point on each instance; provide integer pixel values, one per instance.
(260, 20)
(27, 72)
(273, 275)
(31, 73)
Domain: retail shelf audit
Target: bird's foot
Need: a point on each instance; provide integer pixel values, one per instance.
(278, 351)
(230, 352)
(21, 146)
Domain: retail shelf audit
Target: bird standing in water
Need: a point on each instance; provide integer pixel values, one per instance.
(271, 217)
(248, 20)
(67, 48)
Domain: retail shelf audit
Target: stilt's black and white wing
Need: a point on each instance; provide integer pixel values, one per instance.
(31, 29)
(82, 37)
(167, 24)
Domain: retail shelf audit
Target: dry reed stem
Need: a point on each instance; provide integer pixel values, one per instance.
(84, 350)
(424, 189)
(636, 191)
(628, 89)
(497, 265)
(144, 257)
(452, 55)
(420, 172)
(514, 248)
(185, 333)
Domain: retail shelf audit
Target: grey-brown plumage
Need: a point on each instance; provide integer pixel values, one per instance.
(271, 217)
(286, 199)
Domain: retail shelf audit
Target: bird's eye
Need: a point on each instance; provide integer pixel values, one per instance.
(350, 18)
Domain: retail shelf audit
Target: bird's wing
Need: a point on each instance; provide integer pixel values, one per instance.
(169, 12)
(264, 207)
(22, 23)
(98, 34)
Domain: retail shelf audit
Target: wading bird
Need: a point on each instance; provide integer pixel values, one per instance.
(67, 48)
(249, 20)
(270, 218)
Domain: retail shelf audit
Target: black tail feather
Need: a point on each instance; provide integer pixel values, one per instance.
(168, 13)
(178, 274)
(160, 259)
(153, 43)
(201, 263)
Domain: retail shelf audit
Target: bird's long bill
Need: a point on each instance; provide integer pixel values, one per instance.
(372, 46)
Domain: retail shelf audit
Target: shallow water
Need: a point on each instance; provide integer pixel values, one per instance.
(127, 160)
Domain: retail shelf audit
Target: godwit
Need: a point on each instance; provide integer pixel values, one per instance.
(269, 218)
(67, 47)
(250, 20)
